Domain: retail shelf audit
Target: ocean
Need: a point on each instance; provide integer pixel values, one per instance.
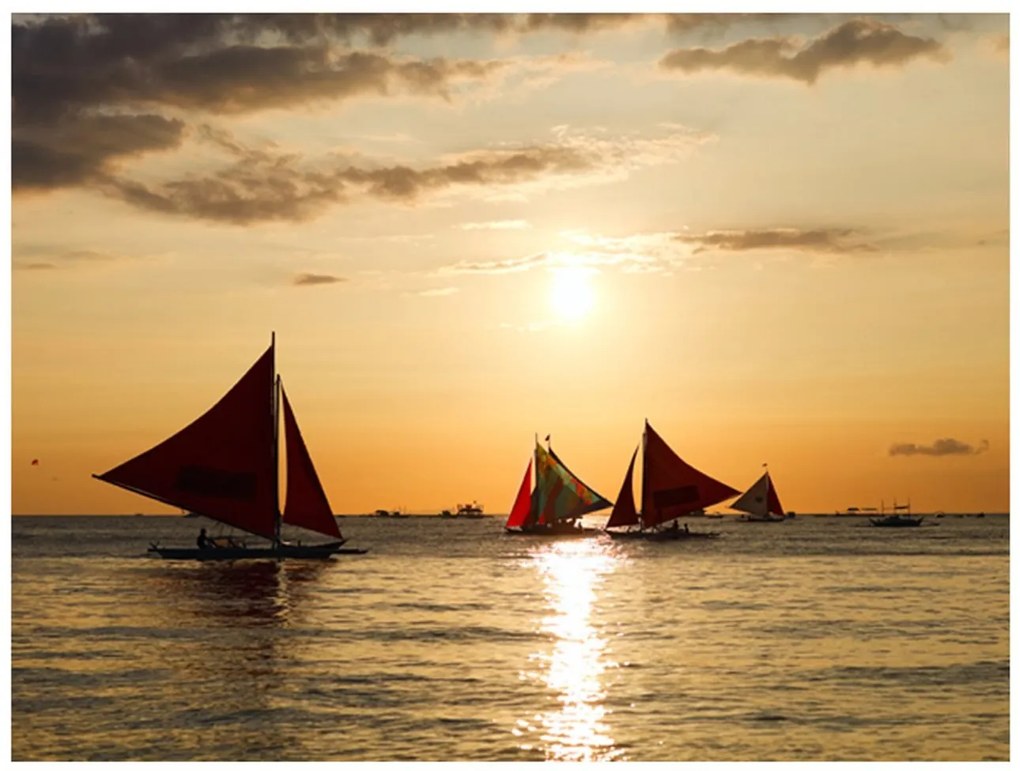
(820, 638)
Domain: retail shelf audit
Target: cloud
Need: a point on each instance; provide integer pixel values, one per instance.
(313, 279)
(263, 184)
(939, 447)
(496, 225)
(43, 258)
(517, 265)
(815, 240)
(71, 152)
(851, 43)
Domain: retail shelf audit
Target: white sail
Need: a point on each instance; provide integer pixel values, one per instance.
(760, 501)
(755, 500)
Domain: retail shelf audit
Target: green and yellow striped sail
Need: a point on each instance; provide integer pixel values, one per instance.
(559, 493)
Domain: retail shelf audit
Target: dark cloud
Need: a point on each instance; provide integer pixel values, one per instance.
(87, 90)
(312, 279)
(939, 447)
(851, 43)
(68, 153)
(824, 240)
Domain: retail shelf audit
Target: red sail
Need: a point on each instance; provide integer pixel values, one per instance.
(222, 465)
(522, 505)
(307, 505)
(673, 488)
(774, 507)
(624, 512)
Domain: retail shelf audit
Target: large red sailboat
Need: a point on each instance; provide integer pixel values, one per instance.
(670, 488)
(225, 466)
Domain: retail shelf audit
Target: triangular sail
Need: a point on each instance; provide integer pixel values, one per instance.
(222, 465)
(624, 512)
(775, 507)
(522, 504)
(761, 500)
(672, 487)
(562, 495)
(306, 505)
(756, 500)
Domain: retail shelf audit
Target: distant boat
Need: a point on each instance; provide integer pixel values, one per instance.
(761, 502)
(556, 503)
(471, 510)
(671, 488)
(856, 511)
(225, 466)
(896, 519)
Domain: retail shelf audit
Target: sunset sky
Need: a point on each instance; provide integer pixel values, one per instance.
(780, 239)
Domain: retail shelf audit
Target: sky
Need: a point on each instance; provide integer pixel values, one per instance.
(780, 238)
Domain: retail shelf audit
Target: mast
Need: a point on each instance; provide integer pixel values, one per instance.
(276, 443)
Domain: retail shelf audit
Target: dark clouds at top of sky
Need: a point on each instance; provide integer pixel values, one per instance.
(90, 92)
(853, 42)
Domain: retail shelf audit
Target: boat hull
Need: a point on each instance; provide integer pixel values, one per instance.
(285, 551)
(663, 535)
(897, 522)
(584, 533)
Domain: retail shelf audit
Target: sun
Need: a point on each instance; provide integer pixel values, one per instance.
(571, 294)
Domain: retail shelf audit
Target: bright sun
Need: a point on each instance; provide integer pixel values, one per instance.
(571, 295)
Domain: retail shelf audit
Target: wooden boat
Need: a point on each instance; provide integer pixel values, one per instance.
(225, 466)
(556, 503)
(671, 488)
(761, 502)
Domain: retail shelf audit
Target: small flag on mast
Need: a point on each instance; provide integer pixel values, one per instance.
(35, 461)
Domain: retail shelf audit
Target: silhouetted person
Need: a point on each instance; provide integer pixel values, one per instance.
(204, 541)
(687, 528)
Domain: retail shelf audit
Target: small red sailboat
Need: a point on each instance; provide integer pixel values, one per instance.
(225, 466)
(671, 488)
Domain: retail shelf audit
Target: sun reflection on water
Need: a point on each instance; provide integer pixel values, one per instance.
(573, 670)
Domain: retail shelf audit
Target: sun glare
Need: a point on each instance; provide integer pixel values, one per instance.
(571, 295)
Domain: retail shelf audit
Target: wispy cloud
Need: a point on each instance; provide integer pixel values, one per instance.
(836, 240)
(939, 447)
(496, 225)
(445, 291)
(44, 258)
(260, 184)
(851, 43)
(495, 266)
(313, 279)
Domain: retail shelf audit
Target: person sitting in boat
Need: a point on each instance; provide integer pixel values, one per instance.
(204, 541)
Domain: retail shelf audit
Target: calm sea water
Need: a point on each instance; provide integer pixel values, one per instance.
(815, 639)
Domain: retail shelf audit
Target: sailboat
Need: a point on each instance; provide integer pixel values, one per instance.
(761, 502)
(554, 506)
(670, 488)
(225, 466)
